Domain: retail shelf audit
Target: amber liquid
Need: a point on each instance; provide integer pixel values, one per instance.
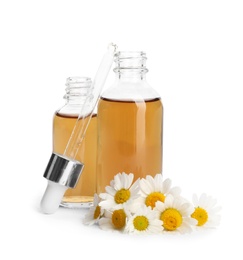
(84, 191)
(129, 139)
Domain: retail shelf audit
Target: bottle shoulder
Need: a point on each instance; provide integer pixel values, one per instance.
(68, 109)
(75, 110)
(130, 91)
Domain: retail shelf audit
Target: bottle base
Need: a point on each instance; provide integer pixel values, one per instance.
(77, 202)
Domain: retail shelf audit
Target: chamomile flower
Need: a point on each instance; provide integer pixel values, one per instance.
(114, 220)
(145, 220)
(205, 211)
(121, 190)
(154, 189)
(94, 213)
(175, 214)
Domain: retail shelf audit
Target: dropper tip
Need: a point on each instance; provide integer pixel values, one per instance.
(112, 47)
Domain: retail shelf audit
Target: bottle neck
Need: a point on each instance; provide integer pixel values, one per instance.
(77, 90)
(130, 66)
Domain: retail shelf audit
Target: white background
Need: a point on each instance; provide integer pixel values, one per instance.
(195, 61)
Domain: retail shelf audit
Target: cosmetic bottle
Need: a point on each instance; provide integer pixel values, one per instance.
(77, 89)
(130, 123)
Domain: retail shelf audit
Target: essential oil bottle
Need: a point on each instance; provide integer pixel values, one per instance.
(77, 89)
(130, 123)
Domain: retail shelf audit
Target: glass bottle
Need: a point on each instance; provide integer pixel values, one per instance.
(77, 89)
(130, 123)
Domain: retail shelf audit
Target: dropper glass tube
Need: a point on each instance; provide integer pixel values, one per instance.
(63, 171)
(89, 105)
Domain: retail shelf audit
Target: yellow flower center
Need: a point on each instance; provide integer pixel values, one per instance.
(122, 196)
(152, 198)
(200, 215)
(140, 223)
(171, 218)
(97, 212)
(119, 218)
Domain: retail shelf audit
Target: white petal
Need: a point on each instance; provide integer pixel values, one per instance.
(158, 182)
(152, 214)
(160, 206)
(135, 187)
(96, 199)
(107, 214)
(177, 203)
(106, 196)
(191, 221)
(150, 180)
(118, 182)
(203, 200)
(145, 187)
(166, 185)
(112, 183)
(110, 190)
(186, 209)
(130, 180)
(107, 204)
(105, 224)
(185, 228)
(129, 226)
(169, 200)
(124, 180)
(155, 226)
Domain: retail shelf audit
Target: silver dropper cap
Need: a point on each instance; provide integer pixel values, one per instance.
(62, 173)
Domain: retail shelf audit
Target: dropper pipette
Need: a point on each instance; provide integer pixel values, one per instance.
(63, 171)
(90, 102)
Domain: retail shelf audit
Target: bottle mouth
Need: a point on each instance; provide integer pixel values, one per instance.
(77, 87)
(130, 60)
(78, 82)
(130, 55)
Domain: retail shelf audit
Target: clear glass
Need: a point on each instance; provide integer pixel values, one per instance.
(77, 89)
(130, 123)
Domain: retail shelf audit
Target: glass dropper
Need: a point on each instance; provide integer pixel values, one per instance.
(81, 125)
(63, 171)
